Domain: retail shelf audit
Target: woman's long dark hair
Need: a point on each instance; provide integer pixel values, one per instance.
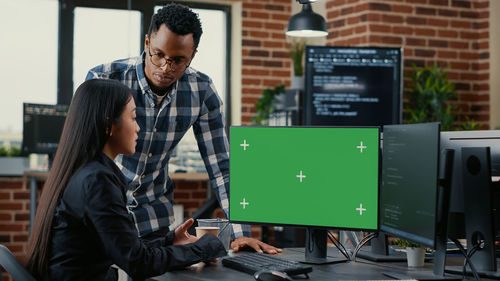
(95, 106)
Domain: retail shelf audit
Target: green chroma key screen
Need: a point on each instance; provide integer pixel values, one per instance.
(309, 176)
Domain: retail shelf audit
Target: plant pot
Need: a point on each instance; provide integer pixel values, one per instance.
(13, 166)
(297, 83)
(415, 257)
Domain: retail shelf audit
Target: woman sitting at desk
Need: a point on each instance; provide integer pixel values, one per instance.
(82, 226)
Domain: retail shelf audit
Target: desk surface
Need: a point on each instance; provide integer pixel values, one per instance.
(359, 270)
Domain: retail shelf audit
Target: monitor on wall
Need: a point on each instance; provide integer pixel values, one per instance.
(42, 127)
(352, 86)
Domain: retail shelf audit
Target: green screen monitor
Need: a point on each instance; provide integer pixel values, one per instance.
(316, 177)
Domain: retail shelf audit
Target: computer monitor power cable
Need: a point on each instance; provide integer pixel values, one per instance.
(467, 260)
(339, 246)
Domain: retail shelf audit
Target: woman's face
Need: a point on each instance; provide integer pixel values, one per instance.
(123, 138)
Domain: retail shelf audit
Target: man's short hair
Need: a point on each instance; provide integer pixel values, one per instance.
(180, 19)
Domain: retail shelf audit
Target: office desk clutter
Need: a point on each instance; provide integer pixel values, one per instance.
(325, 178)
(414, 161)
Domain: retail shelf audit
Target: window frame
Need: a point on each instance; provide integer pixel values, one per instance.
(146, 8)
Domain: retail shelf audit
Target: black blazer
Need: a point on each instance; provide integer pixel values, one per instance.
(92, 230)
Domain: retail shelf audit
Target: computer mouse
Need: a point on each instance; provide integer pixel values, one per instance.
(269, 275)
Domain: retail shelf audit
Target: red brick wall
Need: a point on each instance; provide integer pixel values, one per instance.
(453, 33)
(191, 194)
(265, 59)
(14, 215)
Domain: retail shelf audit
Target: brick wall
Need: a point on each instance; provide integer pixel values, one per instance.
(14, 215)
(265, 59)
(453, 33)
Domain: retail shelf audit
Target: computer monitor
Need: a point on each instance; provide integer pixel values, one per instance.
(463, 221)
(411, 204)
(455, 140)
(352, 86)
(408, 193)
(42, 127)
(313, 177)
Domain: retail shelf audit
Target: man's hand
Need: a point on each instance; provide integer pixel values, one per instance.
(257, 245)
(182, 236)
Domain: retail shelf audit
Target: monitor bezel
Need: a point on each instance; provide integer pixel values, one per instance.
(378, 128)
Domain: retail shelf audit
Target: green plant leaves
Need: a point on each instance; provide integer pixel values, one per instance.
(265, 105)
(429, 97)
(405, 243)
(10, 152)
(296, 53)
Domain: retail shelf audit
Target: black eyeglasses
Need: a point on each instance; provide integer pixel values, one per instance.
(160, 61)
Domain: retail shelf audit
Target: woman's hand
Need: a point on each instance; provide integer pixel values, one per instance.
(257, 245)
(182, 236)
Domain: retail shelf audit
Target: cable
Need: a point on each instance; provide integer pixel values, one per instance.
(362, 243)
(470, 254)
(339, 245)
(464, 253)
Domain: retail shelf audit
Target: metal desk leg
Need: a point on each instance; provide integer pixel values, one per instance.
(33, 190)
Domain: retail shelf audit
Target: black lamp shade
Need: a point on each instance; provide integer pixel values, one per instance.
(306, 24)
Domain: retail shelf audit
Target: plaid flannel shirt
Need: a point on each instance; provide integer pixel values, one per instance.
(192, 101)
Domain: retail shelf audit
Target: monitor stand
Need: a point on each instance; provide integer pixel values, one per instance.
(316, 250)
(479, 196)
(438, 272)
(379, 251)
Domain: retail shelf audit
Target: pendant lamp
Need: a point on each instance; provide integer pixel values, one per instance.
(306, 24)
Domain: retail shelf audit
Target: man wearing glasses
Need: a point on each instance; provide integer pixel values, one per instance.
(172, 97)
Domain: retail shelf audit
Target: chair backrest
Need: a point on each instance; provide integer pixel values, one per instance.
(9, 262)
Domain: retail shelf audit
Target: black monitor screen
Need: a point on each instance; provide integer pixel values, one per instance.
(408, 193)
(42, 127)
(352, 86)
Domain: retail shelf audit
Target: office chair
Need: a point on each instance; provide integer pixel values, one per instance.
(9, 262)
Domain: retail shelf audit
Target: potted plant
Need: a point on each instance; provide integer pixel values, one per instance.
(430, 94)
(415, 253)
(297, 48)
(266, 104)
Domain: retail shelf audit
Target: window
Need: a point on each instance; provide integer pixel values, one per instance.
(103, 35)
(95, 32)
(29, 56)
